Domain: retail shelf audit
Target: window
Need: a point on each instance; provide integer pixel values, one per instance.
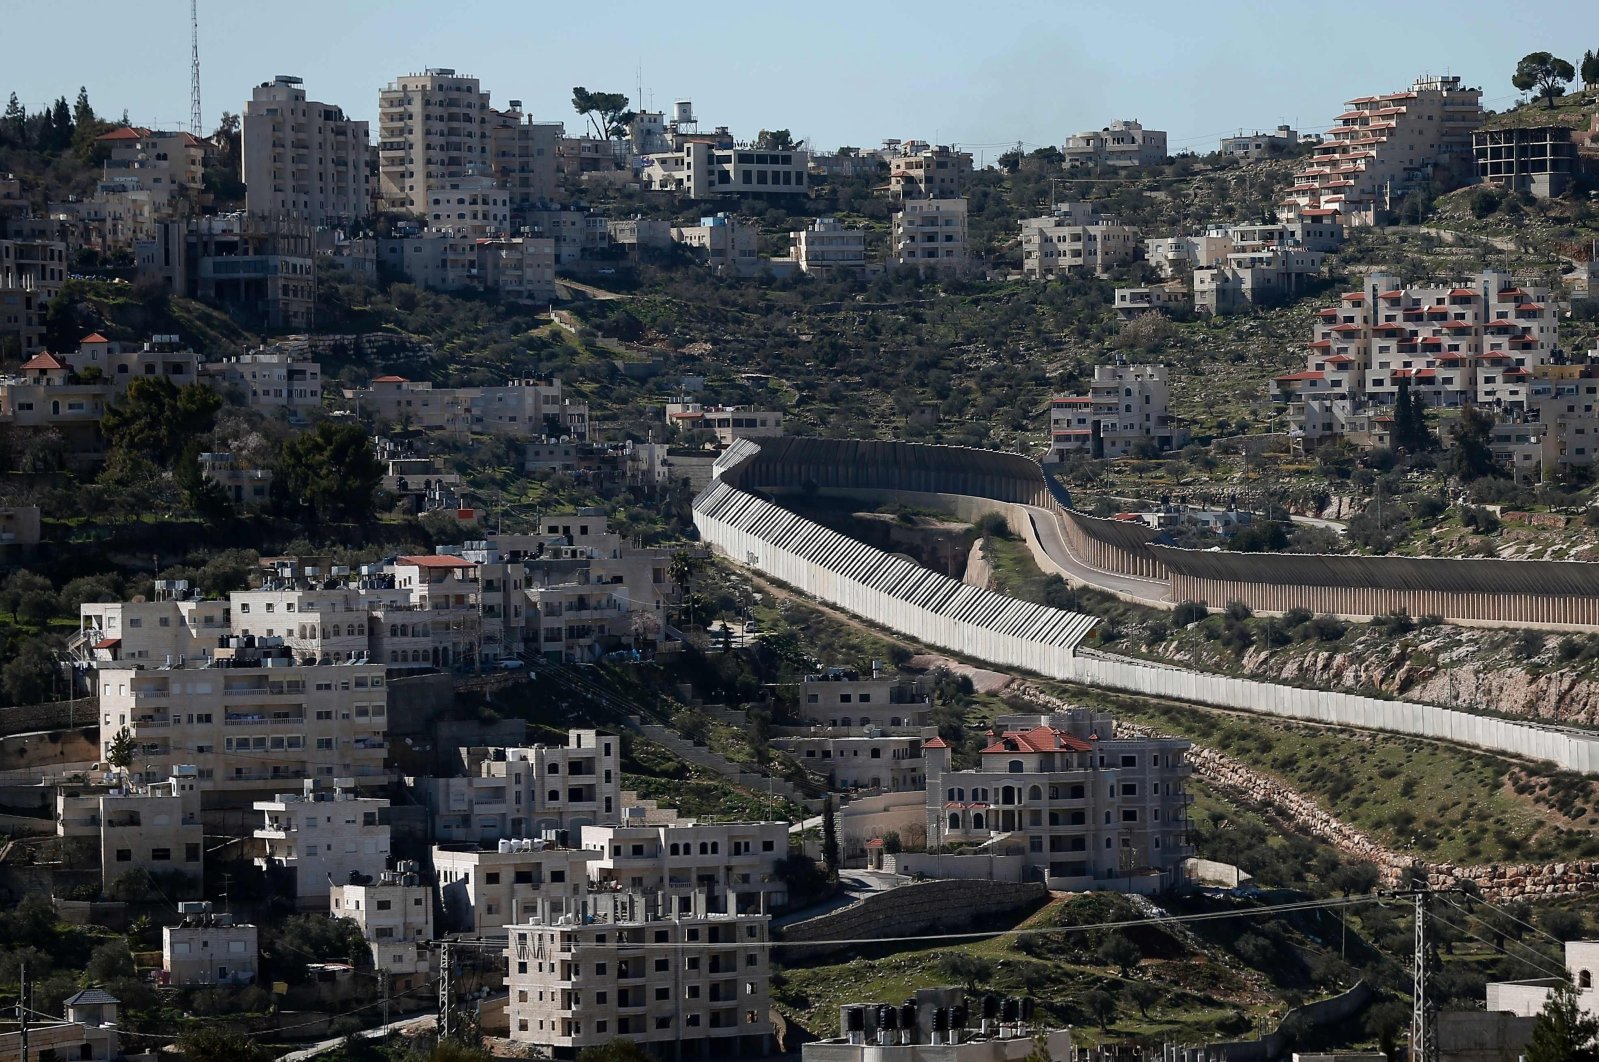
(161, 855)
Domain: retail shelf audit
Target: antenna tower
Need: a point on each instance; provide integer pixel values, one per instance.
(196, 121)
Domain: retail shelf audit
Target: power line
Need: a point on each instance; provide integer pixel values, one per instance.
(1542, 967)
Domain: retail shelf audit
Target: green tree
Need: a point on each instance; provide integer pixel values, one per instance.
(774, 140)
(1116, 950)
(213, 1043)
(1102, 1005)
(119, 750)
(1563, 1033)
(1544, 73)
(1410, 421)
(606, 112)
(14, 124)
(55, 135)
(620, 1049)
(63, 324)
(157, 419)
(29, 676)
(1590, 69)
(1144, 995)
(24, 594)
(1473, 458)
(200, 492)
(328, 474)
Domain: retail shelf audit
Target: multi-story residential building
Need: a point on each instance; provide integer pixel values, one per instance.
(154, 828)
(303, 158)
(321, 836)
(640, 232)
(247, 718)
(522, 155)
(727, 423)
(936, 1023)
(1477, 341)
(1133, 302)
(1124, 411)
(259, 267)
(1095, 809)
(434, 128)
(175, 627)
(1260, 277)
(463, 259)
(1528, 998)
(729, 244)
(33, 268)
(208, 949)
(1566, 431)
(626, 965)
(480, 888)
(579, 232)
(1121, 143)
(1177, 256)
(246, 486)
(1541, 160)
(522, 408)
(89, 1033)
(862, 732)
(1258, 145)
(272, 380)
(733, 865)
(930, 234)
(166, 164)
(703, 170)
(1075, 237)
(828, 246)
(524, 792)
(395, 914)
(933, 173)
(839, 697)
(1385, 146)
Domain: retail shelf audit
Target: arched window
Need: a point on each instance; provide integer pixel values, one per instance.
(1014, 767)
(1584, 979)
(844, 721)
(716, 847)
(1007, 795)
(949, 794)
(1035, 793)
(977, 820)
(705, 849)
(954, 821)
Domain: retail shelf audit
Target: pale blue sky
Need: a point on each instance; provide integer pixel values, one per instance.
(983, 75)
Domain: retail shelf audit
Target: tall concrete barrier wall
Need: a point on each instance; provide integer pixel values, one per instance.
(1574, 750)
(885, 589)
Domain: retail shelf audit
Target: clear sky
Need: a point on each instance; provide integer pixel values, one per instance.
(983, 75)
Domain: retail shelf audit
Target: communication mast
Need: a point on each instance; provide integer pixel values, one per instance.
(196, 120)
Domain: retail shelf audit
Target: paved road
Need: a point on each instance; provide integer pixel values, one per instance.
(857, 885)
(403, 1026)
(1149, 591)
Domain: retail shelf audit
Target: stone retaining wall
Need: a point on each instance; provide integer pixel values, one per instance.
(921, 907)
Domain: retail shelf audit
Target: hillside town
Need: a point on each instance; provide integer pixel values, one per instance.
(482, 579)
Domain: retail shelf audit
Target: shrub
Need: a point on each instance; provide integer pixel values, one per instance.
(1189, 612)
(1237, 610)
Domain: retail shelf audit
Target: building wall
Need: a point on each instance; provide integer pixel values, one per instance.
(303, 158)
(433, 128)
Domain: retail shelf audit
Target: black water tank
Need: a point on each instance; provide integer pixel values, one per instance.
(990, 1007)
(855, 1019)
(1010, 1012)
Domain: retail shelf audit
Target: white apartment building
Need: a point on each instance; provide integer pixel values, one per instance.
(321, 836)
(481, 888)
(864, 732)
(827, 246)
(1384, 146)
(434, 129)
(1125, 410)
(519, 408)
(727, 423)
(1177, 256)
(208, 949)
(395, 914)
(622, 965)
(931, 173)
(525, 792)
(1133, 302)
(33, 269)
(930, 234)
(1121, 143)
(840, 697)
(272, 380)
(154, 828)
(1527, 998)
(1258, 145)
(1095, 810)
(729, 244)
(1566, 431)
(728, 863)
(155, 633)
(247, 719)
(702, 170)
(522, 155)
(167, 164)
(1076, 237)
(1255, 278)
(302, 158)
(1477, 341)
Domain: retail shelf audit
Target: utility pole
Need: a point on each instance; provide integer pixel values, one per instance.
(444, 990)
(1423, 1043)
(22, 1012)
(383, 977)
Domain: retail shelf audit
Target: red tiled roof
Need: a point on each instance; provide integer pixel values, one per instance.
(935, 743)
(1320, 344)
(43, 361)
(1397, 293)
(875, 842)
(1340, 359)
(1038, 739)
(1303, 376)
(1354, 296)
(436, 560)
(390, 379)
(94, 337)
(127, 132)
(1462, 293)
(1330, 311)
(108, 643)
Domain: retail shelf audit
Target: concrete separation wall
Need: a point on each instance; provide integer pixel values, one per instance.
(1279, 1042)
(921, 907)
(940, 611)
